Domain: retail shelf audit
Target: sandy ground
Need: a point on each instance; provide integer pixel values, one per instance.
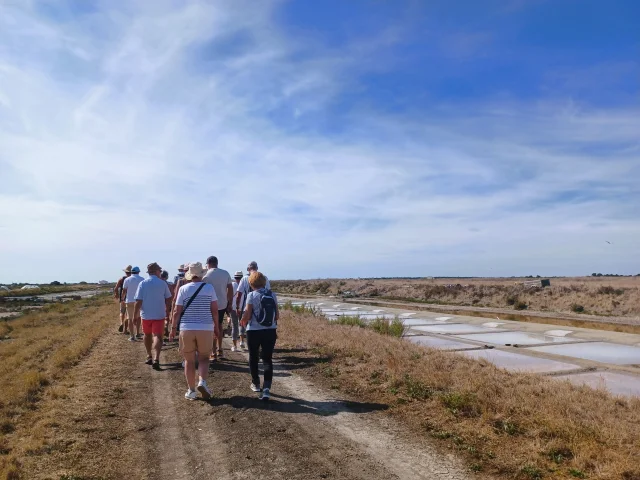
(121, 419)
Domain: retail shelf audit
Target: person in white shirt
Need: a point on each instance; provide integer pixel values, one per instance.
(244, 288)
(238, 331)
(197, 311)
(129, 289)
(221, 281)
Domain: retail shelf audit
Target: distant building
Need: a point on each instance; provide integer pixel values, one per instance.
(103, 282)
(29, 287)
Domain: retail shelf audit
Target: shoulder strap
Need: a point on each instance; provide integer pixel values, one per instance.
(192, 299)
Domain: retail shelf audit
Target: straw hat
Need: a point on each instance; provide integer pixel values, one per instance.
(127, 269)
(238, 274)
(195, 270)
(153, 267)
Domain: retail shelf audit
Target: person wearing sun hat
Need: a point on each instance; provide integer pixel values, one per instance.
(130, 289)
(197, 312)
(118, 295)
(180, 281)
(180, 274)
(152, 300)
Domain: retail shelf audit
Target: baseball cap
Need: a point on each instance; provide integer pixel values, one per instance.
(135, 270)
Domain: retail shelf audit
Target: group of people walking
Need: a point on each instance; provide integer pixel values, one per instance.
(192, 309)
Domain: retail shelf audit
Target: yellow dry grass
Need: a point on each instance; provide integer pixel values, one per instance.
(40, 347)
(513, 425)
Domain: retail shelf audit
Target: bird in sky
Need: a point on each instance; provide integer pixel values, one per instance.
(608, 242)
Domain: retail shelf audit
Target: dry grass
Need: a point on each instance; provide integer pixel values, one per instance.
(514, 425)
(608, 296)
(46, 289)
(40, 347)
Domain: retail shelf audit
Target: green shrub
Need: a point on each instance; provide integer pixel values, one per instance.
(394, 328)
(463, 404)
(418, 390)
(299, 308)
(577, 308)
(350, 320)
(532, 472)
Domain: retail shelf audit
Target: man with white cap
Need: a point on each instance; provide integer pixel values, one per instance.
(244, 288)
(197, 312)
(130, 289)
(152, 300)
(118, 295)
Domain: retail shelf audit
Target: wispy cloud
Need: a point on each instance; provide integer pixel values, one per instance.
(137, 131)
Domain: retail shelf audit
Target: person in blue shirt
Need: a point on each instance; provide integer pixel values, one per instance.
(153, 299)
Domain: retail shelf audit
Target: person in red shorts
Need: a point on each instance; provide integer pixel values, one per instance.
(153, 298)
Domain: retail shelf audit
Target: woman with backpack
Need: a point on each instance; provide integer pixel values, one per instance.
(260, 318)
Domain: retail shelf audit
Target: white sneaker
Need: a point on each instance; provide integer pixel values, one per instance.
(191, 395)
(233, 348)
(265, 395)
(255, 388)
(204, 390)
(132, 339)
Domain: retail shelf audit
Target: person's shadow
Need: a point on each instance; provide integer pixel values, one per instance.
(286, 404)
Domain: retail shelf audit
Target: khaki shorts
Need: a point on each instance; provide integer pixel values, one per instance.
(200, 341)
(131, 308)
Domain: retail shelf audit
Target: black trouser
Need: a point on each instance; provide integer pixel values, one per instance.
(267, 340)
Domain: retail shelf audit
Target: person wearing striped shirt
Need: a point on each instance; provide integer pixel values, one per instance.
(196, 309)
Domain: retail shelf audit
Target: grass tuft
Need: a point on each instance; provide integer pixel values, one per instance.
(384, 326)
(350, 321)
(529, 471)
(462, 404)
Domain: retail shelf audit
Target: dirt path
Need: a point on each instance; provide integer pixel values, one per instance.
(114, 417)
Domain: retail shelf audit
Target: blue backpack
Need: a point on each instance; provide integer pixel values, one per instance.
(267, 315)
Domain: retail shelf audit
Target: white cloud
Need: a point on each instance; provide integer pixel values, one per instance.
(130, 134)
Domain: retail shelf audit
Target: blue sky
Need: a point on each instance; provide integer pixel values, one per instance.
(361, 138)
